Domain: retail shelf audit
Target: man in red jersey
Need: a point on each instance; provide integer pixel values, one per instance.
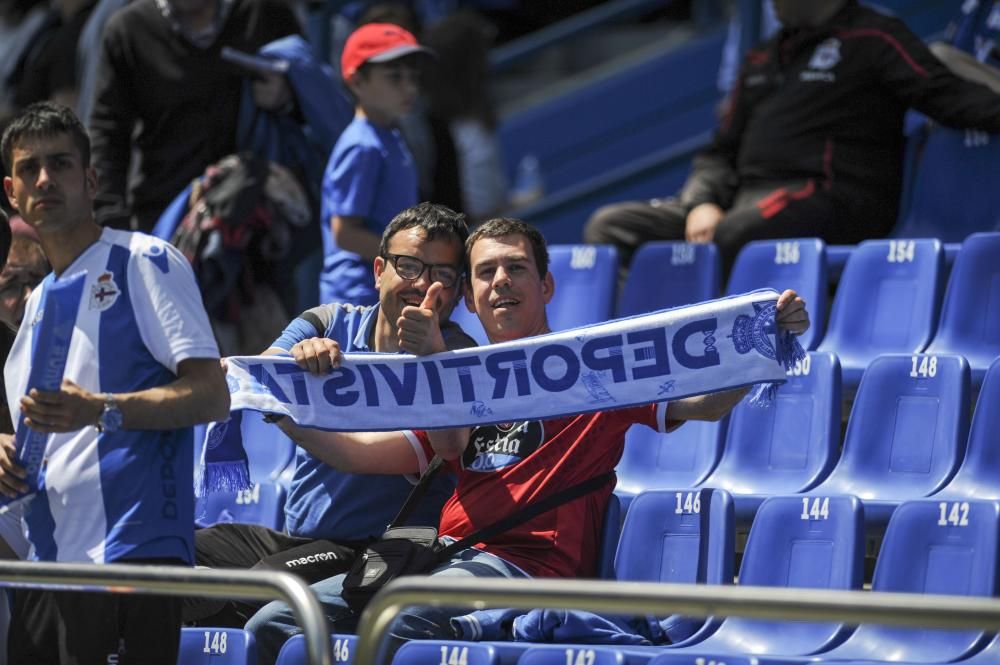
(501, 468)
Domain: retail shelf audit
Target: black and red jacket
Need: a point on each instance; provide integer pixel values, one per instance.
(826, 105)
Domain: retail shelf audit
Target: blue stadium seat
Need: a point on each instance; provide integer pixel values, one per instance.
(887, 302)
(795, 542)
(788, 446)
(569, 654)
(586, 279)
(798, 264)
(954, 166)
(664, 539)
(294, 650)
(217, 646)
(990, 655)
(684, 536)
(610, 532)
(669, 274)
(422, 652)
(270, 452)
(970, 316)
(979, 475)
(836, 259)
(263, 504)
(907, 432)
(682, 458)
(930, 547)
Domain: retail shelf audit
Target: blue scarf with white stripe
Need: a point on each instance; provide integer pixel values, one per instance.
(671, 354)
(52, 336)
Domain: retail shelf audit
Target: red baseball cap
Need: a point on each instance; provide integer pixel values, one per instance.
(377, 42)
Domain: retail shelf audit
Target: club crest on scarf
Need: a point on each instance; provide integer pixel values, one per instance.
(756, 333)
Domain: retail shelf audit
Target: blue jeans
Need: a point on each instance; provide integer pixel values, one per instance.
(274, 623)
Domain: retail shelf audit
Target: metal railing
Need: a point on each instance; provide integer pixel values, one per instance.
(630, 598)
(179, 581)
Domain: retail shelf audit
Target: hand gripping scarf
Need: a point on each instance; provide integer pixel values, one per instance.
(667, 355)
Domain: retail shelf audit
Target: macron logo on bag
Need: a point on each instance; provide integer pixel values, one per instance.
(312, 558)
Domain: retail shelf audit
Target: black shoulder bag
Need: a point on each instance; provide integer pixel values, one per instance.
(416, 550)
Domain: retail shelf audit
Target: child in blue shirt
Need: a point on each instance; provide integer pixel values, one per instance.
(370, 176)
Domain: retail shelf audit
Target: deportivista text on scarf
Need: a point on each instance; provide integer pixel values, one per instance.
(662, 356)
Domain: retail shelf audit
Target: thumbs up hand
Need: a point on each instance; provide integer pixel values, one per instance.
(419, 328)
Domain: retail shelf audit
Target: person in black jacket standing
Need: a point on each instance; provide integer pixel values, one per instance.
(812, 143)
(164, 92)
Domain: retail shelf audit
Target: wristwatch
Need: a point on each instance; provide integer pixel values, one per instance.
(110, 419)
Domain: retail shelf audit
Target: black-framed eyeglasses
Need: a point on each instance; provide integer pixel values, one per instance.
(411, 268)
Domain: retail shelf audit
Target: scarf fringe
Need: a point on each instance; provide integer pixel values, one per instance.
(222, 477)
(787, 352)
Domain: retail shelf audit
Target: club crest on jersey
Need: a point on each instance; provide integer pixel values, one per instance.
(104, 292)
(827, 55)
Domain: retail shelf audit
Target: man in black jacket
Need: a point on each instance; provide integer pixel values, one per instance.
(812, 144)
(164, 92)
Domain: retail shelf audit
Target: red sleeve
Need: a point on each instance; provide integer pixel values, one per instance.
(422, 448)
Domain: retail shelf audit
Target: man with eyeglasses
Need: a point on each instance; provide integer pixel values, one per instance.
(418, 272)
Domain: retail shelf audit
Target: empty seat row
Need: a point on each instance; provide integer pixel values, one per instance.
(908, 436)
(814, 542)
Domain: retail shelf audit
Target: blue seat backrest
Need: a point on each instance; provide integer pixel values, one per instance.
(797, 542)
(421, 652)
(669, 274)
(683, 536)
(270, 452)
(908, 428)
(791, 444)
(952, 193)
(979, 475)
(887, 301)
(798, 264)
(931, 547)
(294, 650)
(586, 278)
(682, 458)
(814, 541)
(216, 646)
(263, 504)
(970, 316)
(935, 547)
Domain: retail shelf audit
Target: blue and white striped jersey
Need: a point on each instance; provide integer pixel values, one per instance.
(128, 494)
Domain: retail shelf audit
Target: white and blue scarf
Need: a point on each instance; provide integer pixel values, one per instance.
(51, 340)
(667, 355)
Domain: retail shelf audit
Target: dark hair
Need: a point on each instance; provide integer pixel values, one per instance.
(44, 120)
(508, 226)
(436, 220)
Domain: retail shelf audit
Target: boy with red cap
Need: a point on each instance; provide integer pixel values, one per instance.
(370, 176)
